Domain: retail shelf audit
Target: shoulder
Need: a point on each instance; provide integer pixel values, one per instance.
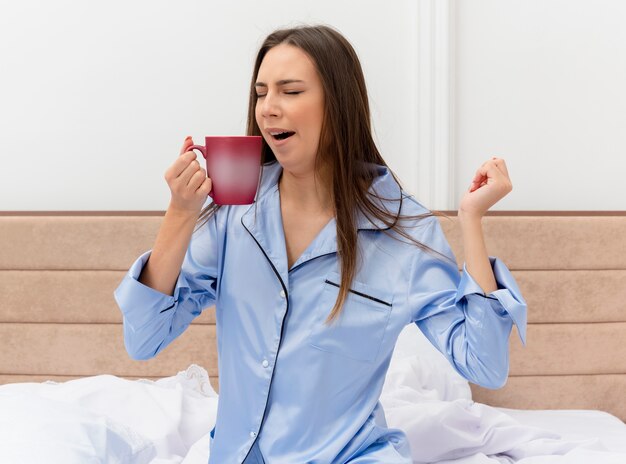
(414, 214)
(424, 225)
(410, 206)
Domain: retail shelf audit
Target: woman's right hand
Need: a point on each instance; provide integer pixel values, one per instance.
(188, 182)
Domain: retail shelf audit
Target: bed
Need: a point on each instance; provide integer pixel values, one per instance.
(70, 393)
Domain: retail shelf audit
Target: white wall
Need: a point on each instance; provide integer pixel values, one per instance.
(542, 84)
(97, 97)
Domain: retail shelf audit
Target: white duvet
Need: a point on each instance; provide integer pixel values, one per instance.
(107, 419)
(427, 399)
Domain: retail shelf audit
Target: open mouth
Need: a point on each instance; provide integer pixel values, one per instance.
(283, 135)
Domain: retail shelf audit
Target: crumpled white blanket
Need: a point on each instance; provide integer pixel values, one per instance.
(168, 421)
(108, 418)
(424, 396)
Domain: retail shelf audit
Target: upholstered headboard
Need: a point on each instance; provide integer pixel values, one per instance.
(59, 321)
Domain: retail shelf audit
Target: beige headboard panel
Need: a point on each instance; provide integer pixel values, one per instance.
(59, 321)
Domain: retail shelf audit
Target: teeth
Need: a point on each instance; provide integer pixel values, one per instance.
(278, 133)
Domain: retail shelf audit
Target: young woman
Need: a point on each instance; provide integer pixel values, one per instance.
(314, 282)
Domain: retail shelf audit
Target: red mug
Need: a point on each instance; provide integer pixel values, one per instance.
(234, 164)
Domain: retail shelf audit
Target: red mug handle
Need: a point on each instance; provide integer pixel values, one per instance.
(202, 150)
(198, 147)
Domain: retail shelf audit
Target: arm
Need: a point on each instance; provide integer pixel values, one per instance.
(469, 328)
(168, 286)
(162, 269)
(476, 258)
(154, 317)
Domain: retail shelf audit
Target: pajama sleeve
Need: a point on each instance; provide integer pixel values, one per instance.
(151, 319)
(469, 328)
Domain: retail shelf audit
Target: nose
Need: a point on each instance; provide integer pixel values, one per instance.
(269, 106)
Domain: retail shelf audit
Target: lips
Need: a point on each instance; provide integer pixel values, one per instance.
(283, 135)
(279, 133)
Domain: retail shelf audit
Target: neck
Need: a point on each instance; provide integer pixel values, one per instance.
(306, 193)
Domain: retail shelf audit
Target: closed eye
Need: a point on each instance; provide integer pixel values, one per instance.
(287, 93)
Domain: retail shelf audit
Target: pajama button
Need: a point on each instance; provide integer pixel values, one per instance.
(265, 363)
(252, 434)
(282, 294)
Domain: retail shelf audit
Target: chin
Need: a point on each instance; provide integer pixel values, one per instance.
(294, 162)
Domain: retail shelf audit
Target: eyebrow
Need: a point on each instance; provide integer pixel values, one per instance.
(281, 82)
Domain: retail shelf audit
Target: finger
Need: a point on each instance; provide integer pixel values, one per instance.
(196, 180)
(495, 167)
(186, 144)
(481, 174)
(206, 186)
(180, 164)
(188, 172)
(501, 165)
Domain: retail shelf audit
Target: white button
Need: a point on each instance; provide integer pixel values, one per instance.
(282, 294)
(265, 363)
(252, 434)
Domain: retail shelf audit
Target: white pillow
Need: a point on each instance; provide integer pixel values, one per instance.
(35, 429)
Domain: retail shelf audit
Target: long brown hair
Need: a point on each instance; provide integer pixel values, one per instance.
(345, 144)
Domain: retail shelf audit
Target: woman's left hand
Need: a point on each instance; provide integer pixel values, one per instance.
(490, 184)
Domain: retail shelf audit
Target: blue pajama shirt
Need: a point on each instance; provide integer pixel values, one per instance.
(293, 390)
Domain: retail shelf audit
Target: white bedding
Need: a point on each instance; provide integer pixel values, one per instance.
(107, 419)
